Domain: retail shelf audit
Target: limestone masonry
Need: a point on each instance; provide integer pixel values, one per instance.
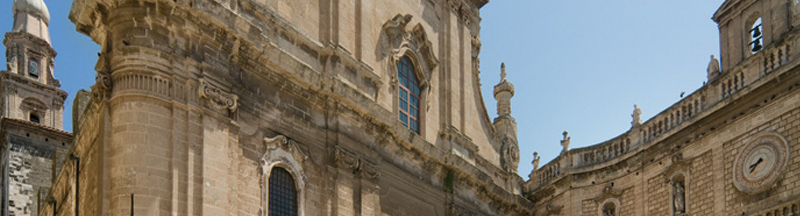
(363, 107)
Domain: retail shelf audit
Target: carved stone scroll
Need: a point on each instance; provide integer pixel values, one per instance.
(285, 144)
(217, 98)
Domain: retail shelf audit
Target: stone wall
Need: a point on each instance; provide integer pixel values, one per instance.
(30, 153)
(700, 139)
(205, 98)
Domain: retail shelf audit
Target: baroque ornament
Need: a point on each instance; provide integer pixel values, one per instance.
(761, 163)
(414, 43)
(355, 163)
(218, 99)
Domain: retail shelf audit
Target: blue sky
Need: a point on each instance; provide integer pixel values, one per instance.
(580, 66)
(577, 65)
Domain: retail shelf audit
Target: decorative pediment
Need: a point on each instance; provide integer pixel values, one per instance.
(679, 164)
(413, 43)
(280, 142)
(609, 193)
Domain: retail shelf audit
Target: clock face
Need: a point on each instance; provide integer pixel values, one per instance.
(760, 163)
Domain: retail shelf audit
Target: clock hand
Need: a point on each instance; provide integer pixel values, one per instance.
(753, 167)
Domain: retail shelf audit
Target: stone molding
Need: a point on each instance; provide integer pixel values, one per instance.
(459, 210)
(218, 98)
(21, 80)
(609, 193)
(679, 165)
(356, 164)
(552, 209)
(413, 43)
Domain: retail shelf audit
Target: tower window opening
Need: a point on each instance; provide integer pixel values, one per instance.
(756, 36)
(33, 68)
(34, 118)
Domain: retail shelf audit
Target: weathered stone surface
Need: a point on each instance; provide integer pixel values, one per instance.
(196, 102)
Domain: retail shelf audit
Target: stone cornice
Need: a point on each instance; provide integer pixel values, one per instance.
(30, 126)
(6, 76)
(41, 43)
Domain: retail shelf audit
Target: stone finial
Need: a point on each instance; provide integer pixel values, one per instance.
(713, 68)
(565, 142)
(637, 113)
(503, 92)
(503, 71)
(535, 161)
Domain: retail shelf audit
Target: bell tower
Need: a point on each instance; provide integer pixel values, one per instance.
(29, 89)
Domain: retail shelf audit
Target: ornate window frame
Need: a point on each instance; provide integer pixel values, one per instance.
(609, 195)
(602, 206)
(284, 153)
(414, 45)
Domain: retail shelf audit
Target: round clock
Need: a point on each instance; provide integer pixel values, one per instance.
(760, 163)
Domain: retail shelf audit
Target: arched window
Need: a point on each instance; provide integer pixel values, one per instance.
(409, 94)
(756, 36)
(282, 193)
(34, 118)
(609, 209)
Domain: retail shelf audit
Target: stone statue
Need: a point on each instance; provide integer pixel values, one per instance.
(636, 116)
(535, 161)
(713, 67)
(679, 201)
(11, 65)
(565, 143)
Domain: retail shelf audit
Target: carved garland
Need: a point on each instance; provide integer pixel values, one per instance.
(355, 163)
(218, 98)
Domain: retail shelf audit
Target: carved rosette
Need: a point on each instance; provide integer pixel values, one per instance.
(356, 164)
(218, 98)
(760, 163)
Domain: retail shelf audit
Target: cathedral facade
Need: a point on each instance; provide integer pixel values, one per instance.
(360, 107)
(729, 148)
